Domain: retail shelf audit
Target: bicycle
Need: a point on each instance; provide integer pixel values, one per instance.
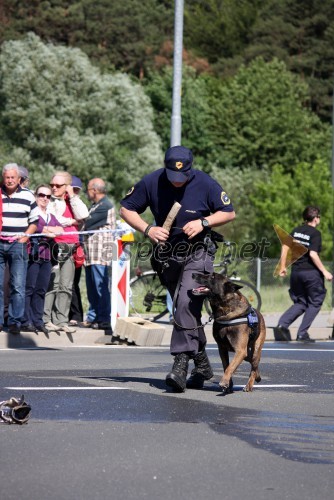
(148, 295)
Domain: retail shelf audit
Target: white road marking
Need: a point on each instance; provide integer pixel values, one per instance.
(66, 388)
(270, 386)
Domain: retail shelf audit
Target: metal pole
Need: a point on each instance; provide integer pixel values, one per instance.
(177, 75)
(332, 168)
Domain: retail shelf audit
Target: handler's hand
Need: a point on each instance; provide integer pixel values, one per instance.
(158, 234)
(283, 272)
(193, 228)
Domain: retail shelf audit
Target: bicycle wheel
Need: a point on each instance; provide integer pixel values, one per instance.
(248, 290)
(148, 296)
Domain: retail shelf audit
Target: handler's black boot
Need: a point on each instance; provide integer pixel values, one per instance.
(201, 372)
(177, 377)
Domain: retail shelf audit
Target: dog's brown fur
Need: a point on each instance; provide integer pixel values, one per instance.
(227, 303)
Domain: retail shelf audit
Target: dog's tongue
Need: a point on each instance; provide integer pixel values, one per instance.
(200, 289)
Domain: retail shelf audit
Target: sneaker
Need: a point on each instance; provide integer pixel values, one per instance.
(73, 322)
(281, 333)
(67, 329)
(51, 327)
(15, 329)
(305, 338)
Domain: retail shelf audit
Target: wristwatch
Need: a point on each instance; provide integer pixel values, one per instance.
(205, 222)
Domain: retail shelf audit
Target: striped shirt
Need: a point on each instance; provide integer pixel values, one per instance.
(19, 210)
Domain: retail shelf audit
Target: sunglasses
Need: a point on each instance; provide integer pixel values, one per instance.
(42, 195)
(57, 185)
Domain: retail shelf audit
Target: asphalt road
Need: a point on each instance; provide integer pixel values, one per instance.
(103, 426)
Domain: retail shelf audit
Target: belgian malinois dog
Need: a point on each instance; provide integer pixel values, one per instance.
(231, 328)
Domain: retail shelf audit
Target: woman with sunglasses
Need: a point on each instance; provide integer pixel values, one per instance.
(70, 211)
(40, 263)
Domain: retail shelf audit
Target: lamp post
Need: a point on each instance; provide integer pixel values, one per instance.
(332, 168)
(176, 124)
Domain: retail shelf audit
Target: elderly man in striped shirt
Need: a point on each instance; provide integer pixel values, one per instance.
(19, 214)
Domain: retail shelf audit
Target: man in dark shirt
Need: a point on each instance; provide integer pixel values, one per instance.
(307, 289)
(182, 250)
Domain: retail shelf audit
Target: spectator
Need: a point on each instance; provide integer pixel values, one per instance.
(76, 309)
(19, 215)
(39, 264)
(98, 256)
(24, 183)
(24, 177)
(69, 210)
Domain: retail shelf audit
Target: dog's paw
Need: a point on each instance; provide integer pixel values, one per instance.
(226, 389)
(247, 388)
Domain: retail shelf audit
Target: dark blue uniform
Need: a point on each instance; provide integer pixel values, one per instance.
(199, 197)
(307, 289)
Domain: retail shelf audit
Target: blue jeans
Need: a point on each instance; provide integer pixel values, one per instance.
(98, 294)
(38, 277)
(17, 257)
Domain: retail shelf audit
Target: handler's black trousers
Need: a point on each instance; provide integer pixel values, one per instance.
(307, 290)
(188, 306)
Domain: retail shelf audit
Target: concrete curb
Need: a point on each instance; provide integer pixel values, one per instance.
(138, 331)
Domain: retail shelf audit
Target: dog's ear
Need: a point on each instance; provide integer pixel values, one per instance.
(231, 287)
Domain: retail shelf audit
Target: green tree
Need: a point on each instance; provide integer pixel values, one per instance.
(257, 118)
(260, 117)
(58, 111)
(195, 111)
(124, 35)
(219, 28)
(300, 33)
(280, 198)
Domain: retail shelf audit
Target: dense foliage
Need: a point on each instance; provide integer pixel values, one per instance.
(91, 93)
(58, 111)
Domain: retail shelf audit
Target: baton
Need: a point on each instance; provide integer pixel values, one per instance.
(171, 216)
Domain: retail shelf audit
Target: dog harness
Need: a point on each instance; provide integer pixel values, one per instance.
(250, 318)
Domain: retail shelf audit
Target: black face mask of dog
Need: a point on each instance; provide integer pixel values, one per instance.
(216, 286)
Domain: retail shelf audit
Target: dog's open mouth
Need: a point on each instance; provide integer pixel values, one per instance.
(201, 290)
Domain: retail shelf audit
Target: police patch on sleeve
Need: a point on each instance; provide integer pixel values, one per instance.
(130, 191)
(225, 199)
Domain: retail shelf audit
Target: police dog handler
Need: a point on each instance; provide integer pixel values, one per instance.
(182, 250)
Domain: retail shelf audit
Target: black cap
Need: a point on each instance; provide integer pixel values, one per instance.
(178, 162)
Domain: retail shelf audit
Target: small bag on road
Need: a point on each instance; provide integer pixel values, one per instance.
(14, 411)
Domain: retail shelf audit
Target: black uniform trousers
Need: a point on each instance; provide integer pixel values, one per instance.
(307, 291)
(187, 336)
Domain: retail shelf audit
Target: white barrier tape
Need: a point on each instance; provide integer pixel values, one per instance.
(119, 232)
